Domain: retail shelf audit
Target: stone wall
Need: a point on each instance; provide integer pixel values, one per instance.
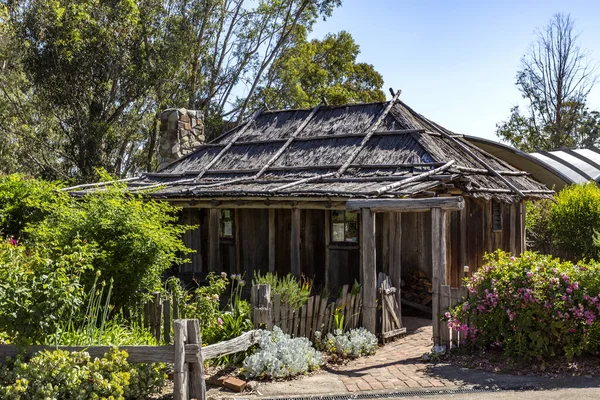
(181, 131)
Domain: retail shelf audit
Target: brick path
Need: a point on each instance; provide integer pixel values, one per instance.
(397, 365)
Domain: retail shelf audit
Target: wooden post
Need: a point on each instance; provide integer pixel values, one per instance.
(464, 255)
(523, 233)
(157, 310)
(327, 242)
(295, 242)
(213, 239)
(438, 262)
(262, 314)
(180, 372)
(167, 320)
(238, 240)
(272, 240)
(514, 223)
(395, 256)
(197, 385)
(368, 270)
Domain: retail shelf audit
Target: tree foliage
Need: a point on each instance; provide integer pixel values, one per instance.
(326, 69)
(555, 78)
(83, 81)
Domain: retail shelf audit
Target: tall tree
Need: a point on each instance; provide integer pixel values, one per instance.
(555, 78)
(312, 70)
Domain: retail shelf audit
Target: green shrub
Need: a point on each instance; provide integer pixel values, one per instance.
(69, 376)
(534, 306)
(539, 234)
(297, 291)
(136, 239)
(21, 202)
(574, 219)
(37, 291)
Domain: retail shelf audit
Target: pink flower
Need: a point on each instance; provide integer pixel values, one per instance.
(220, 321)
(529, 274)
(12, 241)
(513, 259)
(447, 315)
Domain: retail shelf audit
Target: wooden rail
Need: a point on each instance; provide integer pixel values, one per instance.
(187, 355)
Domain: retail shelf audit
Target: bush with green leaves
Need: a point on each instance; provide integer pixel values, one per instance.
(37, 291)
(533, 306)
(539, 233)
(575, 221)
(352, 344)
(21, 202)
(280, 356)
(136, 238)
(62, 375)
(297, 291)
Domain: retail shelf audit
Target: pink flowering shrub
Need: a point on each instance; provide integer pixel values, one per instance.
(533, 306)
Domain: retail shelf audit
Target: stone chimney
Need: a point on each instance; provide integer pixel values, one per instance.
(181, 131)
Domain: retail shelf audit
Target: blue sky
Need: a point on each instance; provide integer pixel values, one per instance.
(456, 61)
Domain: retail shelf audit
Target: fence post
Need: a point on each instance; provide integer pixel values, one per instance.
(180, 368)
(167, 320)
(197, 386)
(157, 311)
(261, 306)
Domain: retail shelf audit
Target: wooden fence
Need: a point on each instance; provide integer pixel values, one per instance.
(318, 314)
(449, 297)
(186, 354)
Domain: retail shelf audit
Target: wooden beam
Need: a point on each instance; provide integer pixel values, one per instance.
(295, 242)
(213, 239)
(272, 241)
(395, 255)
(327, 243)
(407, 205)
(522, 227)
(368, 270)
(514, 224)
(438, 262)
(270, 204)
(464, 255)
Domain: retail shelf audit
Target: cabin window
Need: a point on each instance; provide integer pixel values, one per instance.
(344, 227)
(226, 224)
(496, 216)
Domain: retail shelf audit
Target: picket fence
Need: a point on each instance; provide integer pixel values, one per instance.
(318, 314)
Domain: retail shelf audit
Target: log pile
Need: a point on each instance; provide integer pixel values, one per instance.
(416, 288)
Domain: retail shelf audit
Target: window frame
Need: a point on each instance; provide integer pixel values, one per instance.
(497, 216)
(222, 220)
(347, 219)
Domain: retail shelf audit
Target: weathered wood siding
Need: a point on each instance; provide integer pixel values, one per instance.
(416, 242)
(283, 229)
(313, 245)
(253, 241)
(192, 239)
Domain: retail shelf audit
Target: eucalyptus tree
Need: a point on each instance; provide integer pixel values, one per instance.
(555, 79)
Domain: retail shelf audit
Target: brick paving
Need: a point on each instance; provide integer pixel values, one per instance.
(397, 365)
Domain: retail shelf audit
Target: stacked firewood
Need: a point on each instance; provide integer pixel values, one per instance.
(416, 287)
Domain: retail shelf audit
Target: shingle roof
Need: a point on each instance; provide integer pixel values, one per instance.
(364, 150)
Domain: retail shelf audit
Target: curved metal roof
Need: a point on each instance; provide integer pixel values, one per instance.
(555, 169)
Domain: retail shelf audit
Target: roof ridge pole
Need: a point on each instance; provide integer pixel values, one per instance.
(486, 165)
(229, 144)
(368, 134)
(414, 178)
(100, 184)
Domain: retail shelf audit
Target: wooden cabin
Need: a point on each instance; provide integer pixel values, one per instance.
(340, 193)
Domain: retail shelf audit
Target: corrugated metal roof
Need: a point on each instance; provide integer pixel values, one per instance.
(554, 168)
